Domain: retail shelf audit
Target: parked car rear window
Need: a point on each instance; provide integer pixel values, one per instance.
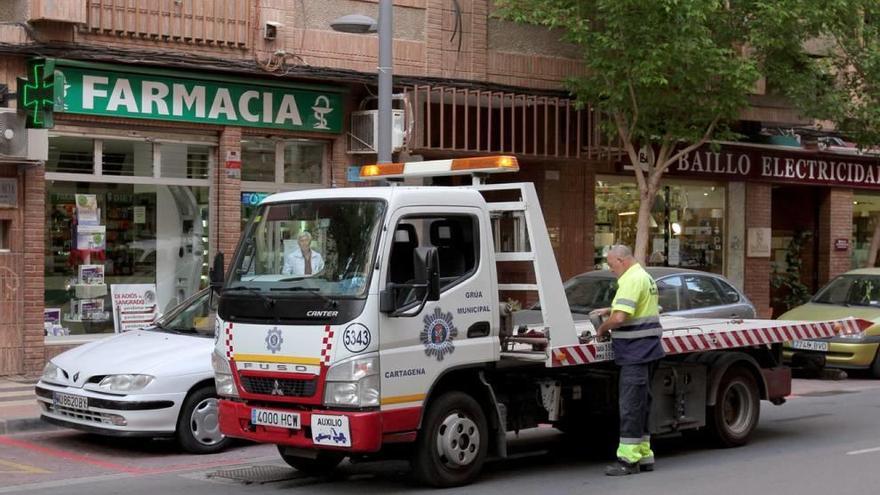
(853, 290)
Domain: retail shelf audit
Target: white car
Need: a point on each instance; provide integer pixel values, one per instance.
(155, 382)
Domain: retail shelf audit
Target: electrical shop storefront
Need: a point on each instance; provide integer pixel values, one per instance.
(135, 160)
(822, 208)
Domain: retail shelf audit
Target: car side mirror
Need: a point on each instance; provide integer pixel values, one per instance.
(426, 270)
(216, 275)
(426, 267)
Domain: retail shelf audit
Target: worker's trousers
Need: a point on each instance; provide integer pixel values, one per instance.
(635, 406)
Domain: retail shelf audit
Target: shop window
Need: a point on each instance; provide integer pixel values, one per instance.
(866, 219)
(303, 162)
(258, 160)
(127, 158)
(72, 155)
(5, 227)
(185, 161)
(138, 234)
(686, 224)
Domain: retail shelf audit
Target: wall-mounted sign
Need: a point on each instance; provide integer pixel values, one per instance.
(9, 193)
(252, 198)
(140, 93)
(780, 165)
(758, 242)
(841, 244)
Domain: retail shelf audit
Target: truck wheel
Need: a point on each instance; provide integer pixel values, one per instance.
(198, 427)
(324, 463)
(453, 443)
(737, 408)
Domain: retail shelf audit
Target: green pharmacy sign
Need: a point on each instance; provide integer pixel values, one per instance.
(99, 89)
(40, 93)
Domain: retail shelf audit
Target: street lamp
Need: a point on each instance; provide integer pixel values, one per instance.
(361, 24)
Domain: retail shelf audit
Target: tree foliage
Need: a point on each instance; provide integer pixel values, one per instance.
(671, 74)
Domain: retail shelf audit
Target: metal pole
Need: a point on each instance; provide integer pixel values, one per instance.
(386, 36)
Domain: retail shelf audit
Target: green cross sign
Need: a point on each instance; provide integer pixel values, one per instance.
(39, 95)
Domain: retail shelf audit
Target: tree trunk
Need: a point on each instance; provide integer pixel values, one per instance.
(643, 226)
(875, 244)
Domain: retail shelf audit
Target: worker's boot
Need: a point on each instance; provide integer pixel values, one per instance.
(646, 463)
(622, 468)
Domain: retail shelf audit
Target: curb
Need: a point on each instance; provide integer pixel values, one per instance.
(21, 425)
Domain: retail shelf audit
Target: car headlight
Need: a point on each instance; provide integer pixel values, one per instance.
(353, 383)
(223, 381)
(50, 372)
(125, 383)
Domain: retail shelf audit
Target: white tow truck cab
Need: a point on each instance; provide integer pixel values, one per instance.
(356, 321)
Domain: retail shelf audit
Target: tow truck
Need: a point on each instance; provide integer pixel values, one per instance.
(401, 343)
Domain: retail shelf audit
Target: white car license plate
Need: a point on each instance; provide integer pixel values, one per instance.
(71, 401)
(281, 419)
(810, 345)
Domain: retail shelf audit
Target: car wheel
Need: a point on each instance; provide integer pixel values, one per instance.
(198, 427)
(453, 444)
(324, 463)
(875, 366)
(733, 418)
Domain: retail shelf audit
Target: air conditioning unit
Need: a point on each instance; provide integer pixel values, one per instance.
(364, 134)
(17, 143)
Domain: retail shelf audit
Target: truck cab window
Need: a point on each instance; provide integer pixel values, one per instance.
(454, 236)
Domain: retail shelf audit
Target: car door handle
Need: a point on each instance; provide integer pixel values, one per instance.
(478, 329)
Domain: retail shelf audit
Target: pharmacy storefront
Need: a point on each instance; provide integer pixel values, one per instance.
(140, 163)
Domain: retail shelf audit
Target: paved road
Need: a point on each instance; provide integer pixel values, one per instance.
(826, 441)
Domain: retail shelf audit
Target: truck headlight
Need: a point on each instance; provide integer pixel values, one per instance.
(353, 383)
(125, 383)
(223, 381)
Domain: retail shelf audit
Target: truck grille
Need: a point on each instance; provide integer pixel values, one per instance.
(279, 387)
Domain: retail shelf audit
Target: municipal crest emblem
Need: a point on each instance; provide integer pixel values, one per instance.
(274, 340)
(438, 334)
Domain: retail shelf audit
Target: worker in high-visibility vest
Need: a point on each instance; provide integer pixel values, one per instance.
(634, 325)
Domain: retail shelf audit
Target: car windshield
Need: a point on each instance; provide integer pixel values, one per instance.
(585, 294)
(194, 316)
(851, 290)
(319, 247)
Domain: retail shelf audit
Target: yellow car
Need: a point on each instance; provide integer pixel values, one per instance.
(855, 293)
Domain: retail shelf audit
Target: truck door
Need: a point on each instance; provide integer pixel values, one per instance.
(460, 328)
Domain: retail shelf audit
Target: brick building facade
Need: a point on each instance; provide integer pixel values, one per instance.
(473, 84)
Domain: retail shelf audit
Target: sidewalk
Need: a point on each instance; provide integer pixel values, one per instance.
(18, 406)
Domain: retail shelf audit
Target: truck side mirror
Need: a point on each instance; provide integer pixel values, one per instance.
(426, 267)
(216, 274)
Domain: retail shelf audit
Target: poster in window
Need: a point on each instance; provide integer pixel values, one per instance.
(134, 306)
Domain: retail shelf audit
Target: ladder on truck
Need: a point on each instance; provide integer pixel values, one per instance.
(531, 244)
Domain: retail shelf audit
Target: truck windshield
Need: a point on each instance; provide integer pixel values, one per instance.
(318, 248)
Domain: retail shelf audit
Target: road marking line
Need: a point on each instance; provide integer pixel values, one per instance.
(865, 451)
(68, 455)
(21, 468)
(62, 483)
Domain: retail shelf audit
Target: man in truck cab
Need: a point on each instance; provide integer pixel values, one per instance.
(634, 326)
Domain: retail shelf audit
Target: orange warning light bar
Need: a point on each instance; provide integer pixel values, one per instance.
(436, 168)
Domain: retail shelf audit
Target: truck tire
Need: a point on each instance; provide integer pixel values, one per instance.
(324, 463)
(453, 442)
(198, 427)
(733, 418)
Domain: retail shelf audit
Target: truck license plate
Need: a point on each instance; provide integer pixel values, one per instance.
(810, 345)
(71, 401)
(281, 419)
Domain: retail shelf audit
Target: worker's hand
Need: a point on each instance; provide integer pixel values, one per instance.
(603, 335)
(604, 312)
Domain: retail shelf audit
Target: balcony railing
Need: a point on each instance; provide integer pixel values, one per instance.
(208, 22)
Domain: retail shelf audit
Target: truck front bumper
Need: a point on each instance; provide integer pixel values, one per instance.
(365, 428)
